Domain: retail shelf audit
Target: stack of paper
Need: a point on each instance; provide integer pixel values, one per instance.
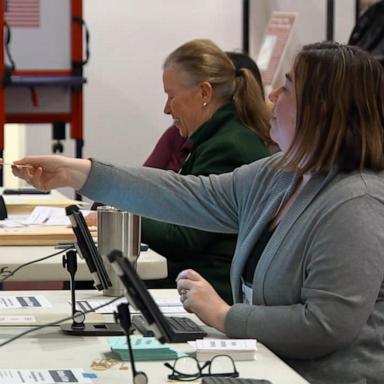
(144, 348)
(44, 226)
(238, 349)
(50, 216)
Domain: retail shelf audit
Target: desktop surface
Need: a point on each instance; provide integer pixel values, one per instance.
(25, 203)
(49, 348)
(150, 265)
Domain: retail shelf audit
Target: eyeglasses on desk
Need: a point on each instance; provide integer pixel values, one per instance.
(188, 368)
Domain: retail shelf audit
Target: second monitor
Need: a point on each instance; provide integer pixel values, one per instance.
(170, 329)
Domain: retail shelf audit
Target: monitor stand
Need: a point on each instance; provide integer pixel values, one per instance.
(78, 327)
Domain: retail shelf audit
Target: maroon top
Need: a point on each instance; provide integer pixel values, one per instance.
(170, 151)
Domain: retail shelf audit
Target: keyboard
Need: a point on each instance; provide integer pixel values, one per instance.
(232, 380)
(182, 329)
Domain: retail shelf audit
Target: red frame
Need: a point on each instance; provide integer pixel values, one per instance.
(75, 117)
(2, 91)
(77, 56)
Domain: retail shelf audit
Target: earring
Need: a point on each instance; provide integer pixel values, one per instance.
(205, 104)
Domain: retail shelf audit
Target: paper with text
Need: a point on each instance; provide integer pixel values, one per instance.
(20, 301)
(43, 376)
(225, 344)
(40, 215)
(17, 319)
(165, 305)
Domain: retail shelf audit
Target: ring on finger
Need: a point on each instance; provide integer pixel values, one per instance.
(183, 298)
(183, 295)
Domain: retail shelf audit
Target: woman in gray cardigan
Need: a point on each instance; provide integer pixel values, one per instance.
(307, 274)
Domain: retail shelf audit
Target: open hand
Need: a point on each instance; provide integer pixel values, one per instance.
(50, 172)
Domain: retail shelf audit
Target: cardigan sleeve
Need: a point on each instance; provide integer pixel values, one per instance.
(207, 203)
(343, 277)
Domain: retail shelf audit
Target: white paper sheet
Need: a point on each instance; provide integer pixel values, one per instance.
(225, 344)
(166, 306)
(17, 319)
(20, 301)
(40, 216)
(17, 221)
(43, 376)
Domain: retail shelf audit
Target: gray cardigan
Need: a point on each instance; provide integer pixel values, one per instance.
(318, 287)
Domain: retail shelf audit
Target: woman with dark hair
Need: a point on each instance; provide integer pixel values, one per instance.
(242, 60)
(307, 275)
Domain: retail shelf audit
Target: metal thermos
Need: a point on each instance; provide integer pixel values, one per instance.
(119, 230)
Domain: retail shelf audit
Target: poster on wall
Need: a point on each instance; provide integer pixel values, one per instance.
(274, 51)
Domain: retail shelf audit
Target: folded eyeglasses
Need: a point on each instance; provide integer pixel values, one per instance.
(188, 368)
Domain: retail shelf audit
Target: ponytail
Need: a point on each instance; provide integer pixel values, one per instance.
(250, 104)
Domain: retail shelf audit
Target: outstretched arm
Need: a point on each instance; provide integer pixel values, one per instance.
(50, 172)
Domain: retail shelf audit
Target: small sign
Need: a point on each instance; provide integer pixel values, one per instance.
(274, 44)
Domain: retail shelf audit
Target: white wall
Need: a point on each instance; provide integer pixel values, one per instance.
(129, 40)
(310, 26)
(345, 17)
(124, 96)
(311, 23)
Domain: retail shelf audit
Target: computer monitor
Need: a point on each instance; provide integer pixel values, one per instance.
(3, 209)
(139, 297)
(87, 249)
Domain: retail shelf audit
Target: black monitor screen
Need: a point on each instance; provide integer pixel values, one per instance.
(87, 248)
(139, 297)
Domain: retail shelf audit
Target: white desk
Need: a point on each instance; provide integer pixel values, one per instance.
(24, 203)
(150, 264)
(51, 349)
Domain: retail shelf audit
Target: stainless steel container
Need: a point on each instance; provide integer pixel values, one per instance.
(119, 230)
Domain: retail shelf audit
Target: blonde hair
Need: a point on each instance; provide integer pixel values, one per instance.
(340, 110)
(202, 60)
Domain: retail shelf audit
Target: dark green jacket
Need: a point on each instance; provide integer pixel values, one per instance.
(220, 145)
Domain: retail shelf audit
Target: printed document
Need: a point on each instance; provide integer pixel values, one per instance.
(44, 376)
(238, 349)
(20, 301)
(165, 306)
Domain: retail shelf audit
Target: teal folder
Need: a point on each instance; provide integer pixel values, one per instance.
(144, 348)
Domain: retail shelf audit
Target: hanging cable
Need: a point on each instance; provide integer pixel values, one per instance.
(5, 274)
